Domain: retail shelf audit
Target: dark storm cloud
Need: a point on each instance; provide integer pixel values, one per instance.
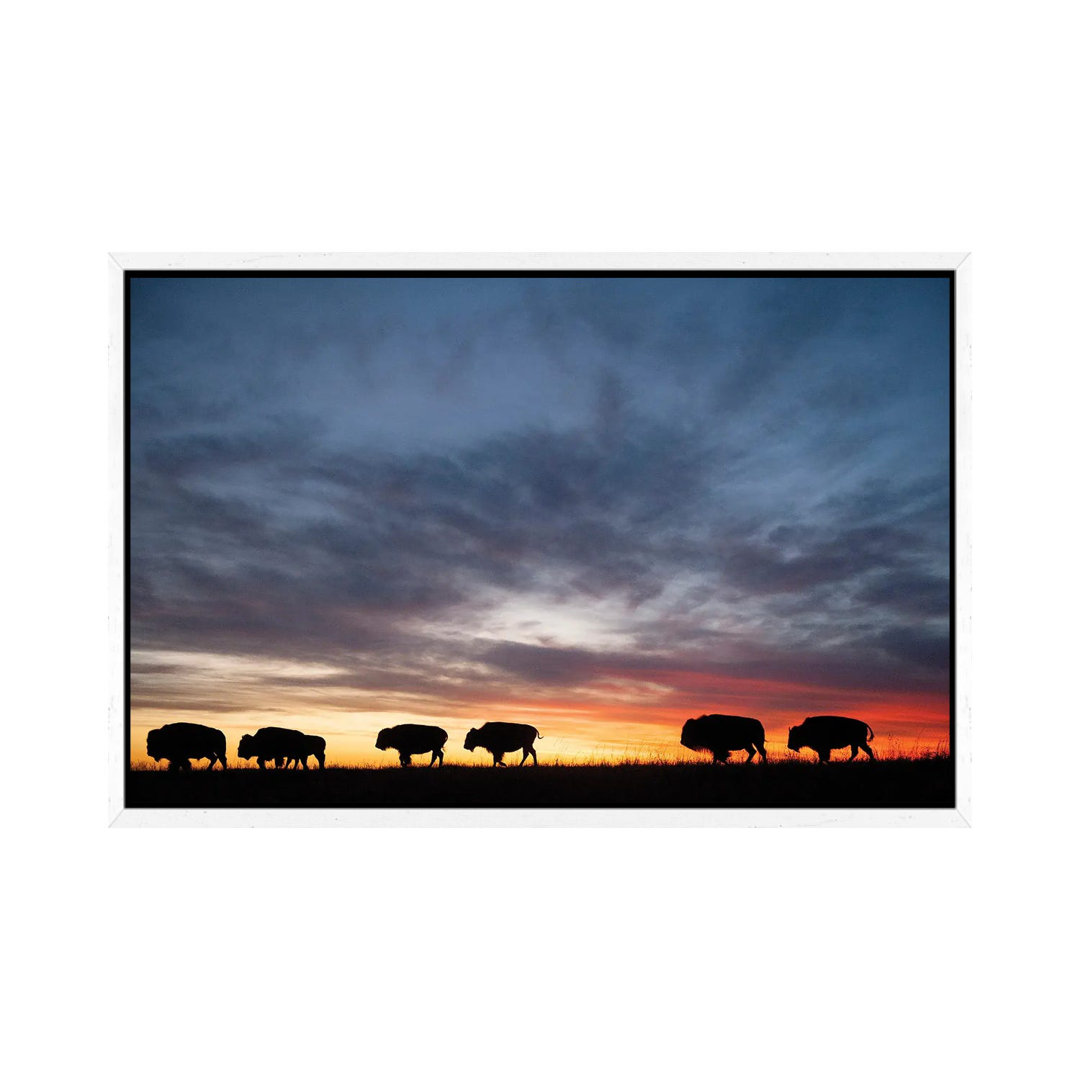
(921, 647)
(406, 535)
(534, 663)
(753, 473)
(864, 665)
(912, 594)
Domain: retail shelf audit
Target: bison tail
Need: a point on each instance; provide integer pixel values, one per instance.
(870, 736)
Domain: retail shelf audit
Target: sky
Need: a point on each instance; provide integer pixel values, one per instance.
(598, 505)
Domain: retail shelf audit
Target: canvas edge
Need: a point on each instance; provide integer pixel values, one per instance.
(115, 616)
(543, 260)
(513, 818)
(962, 517)
(960, 816)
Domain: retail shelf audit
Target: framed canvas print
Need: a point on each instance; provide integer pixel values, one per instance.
(539, 540)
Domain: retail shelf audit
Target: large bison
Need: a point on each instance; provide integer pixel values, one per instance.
(179, 743)
(281, 745)
(499, 739)
(409, 739)
(824, 734)
(721, 734)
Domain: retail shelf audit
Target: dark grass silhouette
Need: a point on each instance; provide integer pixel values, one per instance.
(895, 783)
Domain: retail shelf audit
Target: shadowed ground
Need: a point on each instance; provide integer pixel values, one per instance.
(893, 784)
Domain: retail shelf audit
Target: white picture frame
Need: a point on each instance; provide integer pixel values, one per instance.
(959, 816)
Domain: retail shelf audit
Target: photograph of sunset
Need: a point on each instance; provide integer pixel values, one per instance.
(691, 530)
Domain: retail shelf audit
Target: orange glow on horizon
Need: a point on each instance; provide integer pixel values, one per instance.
(572, 730)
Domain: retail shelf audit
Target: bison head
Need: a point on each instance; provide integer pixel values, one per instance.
(794, 738)
(246, 749)
(689, 737)
(470, 739)
(383, 741)
(154, 744)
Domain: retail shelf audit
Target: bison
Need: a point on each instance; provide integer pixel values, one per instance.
(179, 743)
(721, 734)
(824, 734)
(281, 745)
(313, 746)
(409, 739)
(499, 739)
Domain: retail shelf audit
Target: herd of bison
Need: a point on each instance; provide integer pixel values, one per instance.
(718, 735)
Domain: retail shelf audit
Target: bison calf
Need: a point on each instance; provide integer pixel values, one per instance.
(312, 746)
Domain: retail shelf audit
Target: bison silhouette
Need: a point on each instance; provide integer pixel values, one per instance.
(312, 746)
(719, 735)
(179, 743)
(409, 739)
(281, 746)
(499, 738)
(824, 734)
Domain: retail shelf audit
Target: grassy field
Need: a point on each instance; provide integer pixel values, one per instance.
(907, 783)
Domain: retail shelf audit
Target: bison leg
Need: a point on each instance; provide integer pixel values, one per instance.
(532, 750)
(761, 751)
(496, 759)
(869, 752)
(436, 753)
(405, 759)
(750, 752)
(824, 755)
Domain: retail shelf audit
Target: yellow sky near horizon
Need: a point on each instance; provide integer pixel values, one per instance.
(613, 718)
(351, 737)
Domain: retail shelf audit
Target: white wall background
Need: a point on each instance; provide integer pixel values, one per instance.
(564, 126)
